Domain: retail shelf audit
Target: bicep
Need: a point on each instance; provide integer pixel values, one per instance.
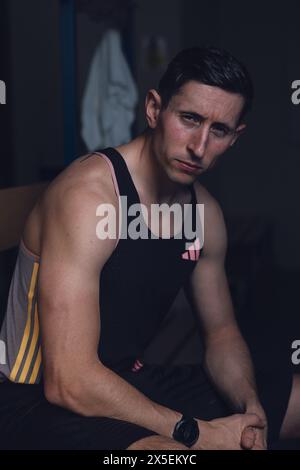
(68, 290)
(68, 311)
(208, 289)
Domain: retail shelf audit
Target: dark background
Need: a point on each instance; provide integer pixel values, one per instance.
(256, 182)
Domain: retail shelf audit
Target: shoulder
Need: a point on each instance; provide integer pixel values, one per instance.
(215, 236)
(85, 182)
(212, 208)
(68, 209)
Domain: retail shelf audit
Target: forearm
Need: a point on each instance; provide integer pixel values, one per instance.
(104, 393)
(229, 364)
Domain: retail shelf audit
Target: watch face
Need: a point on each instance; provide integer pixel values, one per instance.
(186, 431)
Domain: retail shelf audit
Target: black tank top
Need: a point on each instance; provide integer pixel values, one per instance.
(139, 282)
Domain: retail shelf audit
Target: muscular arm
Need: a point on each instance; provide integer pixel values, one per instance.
(226, 355)
(68, 300)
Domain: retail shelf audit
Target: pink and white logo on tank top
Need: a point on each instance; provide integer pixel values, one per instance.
(193, 251)
(137, 366)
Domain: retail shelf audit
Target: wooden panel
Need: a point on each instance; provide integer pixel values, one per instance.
(15, 205)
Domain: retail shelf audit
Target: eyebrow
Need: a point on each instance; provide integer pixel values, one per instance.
(217, 123)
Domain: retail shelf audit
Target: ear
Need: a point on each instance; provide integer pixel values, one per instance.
(152, 108)
(239, 130)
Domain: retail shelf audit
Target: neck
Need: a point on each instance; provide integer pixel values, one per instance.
(152, 183)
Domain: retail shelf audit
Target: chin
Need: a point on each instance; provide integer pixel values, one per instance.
(182, 178)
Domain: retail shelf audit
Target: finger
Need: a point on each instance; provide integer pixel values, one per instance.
(250, 419)
(260, 440)
(248, 438)
(258, 447)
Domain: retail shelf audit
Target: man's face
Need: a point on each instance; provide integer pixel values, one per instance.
(199, 124)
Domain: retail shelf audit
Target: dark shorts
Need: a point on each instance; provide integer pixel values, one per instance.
(188, 390)
(28, 421)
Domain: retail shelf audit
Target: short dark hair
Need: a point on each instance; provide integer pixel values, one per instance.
(210, 66)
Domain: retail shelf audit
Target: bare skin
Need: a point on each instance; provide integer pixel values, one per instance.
(61, 230)
(157, 443)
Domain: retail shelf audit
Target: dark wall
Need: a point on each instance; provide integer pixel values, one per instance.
(160, 21)
(35, 88)
(6, 173)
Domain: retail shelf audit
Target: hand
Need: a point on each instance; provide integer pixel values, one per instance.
(260, 433)
(235, 432)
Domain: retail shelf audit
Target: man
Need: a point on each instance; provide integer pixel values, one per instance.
(86, 336)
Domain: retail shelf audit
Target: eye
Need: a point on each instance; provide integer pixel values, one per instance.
(220, 132)
(190, 118)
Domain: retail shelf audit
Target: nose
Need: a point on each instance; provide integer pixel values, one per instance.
(198, 142)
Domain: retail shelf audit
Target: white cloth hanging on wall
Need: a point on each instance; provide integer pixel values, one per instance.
(110, 96)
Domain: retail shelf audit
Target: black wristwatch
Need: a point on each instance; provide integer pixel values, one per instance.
(186, 431)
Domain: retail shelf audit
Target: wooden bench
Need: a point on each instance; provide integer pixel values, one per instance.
(15, 205)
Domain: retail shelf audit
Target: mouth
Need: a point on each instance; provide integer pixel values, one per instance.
(188, 167)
